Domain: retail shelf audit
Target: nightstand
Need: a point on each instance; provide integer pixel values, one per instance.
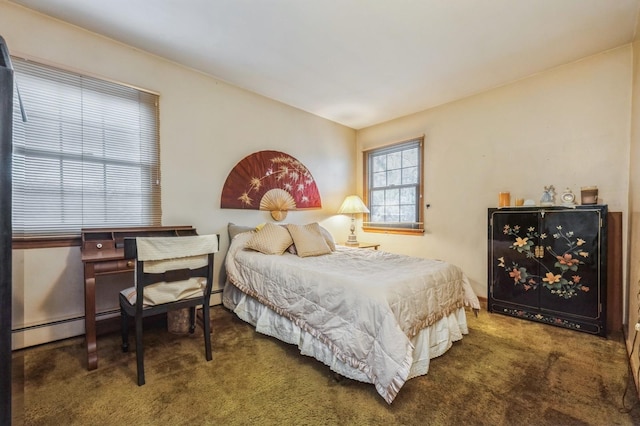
(363, 245)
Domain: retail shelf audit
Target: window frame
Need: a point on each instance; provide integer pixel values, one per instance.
(416, 228)
(25, 237)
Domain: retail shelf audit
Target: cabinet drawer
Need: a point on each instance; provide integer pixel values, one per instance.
(114, 266)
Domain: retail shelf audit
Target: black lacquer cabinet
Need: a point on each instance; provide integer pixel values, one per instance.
(548, 264)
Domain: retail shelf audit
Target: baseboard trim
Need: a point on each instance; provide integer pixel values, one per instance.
(39, 334)
(46, 333)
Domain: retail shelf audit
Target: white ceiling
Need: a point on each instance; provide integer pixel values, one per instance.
(360, 62)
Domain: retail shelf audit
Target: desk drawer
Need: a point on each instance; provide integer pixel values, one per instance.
(114, 266)
(94, 246)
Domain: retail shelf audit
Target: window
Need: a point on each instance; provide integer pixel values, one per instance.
(86, 157)
(393, 188)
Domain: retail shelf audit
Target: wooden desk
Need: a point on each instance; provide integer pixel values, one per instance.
(102, 254)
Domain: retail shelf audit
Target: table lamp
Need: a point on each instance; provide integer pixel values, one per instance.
(352, 205)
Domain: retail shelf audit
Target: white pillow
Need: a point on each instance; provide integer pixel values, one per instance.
(270, 239)
(308, 240)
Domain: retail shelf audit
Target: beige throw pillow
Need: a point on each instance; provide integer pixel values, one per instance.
(309, 240)
(327, 237)
(270, 239)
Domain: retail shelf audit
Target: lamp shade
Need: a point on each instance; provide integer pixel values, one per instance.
(352, 204)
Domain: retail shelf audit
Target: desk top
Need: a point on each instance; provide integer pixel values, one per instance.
(105, 244)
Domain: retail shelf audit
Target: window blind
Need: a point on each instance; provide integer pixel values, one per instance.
(88, 155)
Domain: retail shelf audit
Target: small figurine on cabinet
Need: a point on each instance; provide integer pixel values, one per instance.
(568, 198)
(548, 196)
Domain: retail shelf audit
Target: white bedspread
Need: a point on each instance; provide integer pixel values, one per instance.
(365, 305)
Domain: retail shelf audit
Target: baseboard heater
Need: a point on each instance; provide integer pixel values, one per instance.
(63, 321)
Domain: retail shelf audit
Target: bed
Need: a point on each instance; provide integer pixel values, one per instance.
(369, 315)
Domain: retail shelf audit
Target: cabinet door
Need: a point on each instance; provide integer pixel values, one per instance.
(514, 267)
(571, 264)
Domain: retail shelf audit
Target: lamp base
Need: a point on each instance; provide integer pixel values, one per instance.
(352, 241)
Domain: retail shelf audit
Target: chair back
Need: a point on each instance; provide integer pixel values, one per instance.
(169, 269)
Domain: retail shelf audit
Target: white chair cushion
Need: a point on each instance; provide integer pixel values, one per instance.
(158, 248)
(164, 292)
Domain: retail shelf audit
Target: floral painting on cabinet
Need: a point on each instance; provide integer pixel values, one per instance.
(564, 279)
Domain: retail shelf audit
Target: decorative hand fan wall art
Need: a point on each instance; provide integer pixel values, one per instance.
(271, 181)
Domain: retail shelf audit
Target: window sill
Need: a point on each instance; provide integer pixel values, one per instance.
(397, 231)
(44, 242)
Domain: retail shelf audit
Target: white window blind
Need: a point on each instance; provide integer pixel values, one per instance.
(87, 155)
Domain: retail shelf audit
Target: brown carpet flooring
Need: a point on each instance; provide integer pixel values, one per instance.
(505, 372)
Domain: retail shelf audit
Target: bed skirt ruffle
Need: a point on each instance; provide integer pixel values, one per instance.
(429, 343)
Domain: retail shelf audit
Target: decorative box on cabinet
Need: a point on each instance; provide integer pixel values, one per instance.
(548, 264)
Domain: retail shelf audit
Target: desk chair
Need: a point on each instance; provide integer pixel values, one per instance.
(170, 273)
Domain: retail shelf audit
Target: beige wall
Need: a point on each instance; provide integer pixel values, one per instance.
(634, 219)
(206, 127)
(567, 127)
